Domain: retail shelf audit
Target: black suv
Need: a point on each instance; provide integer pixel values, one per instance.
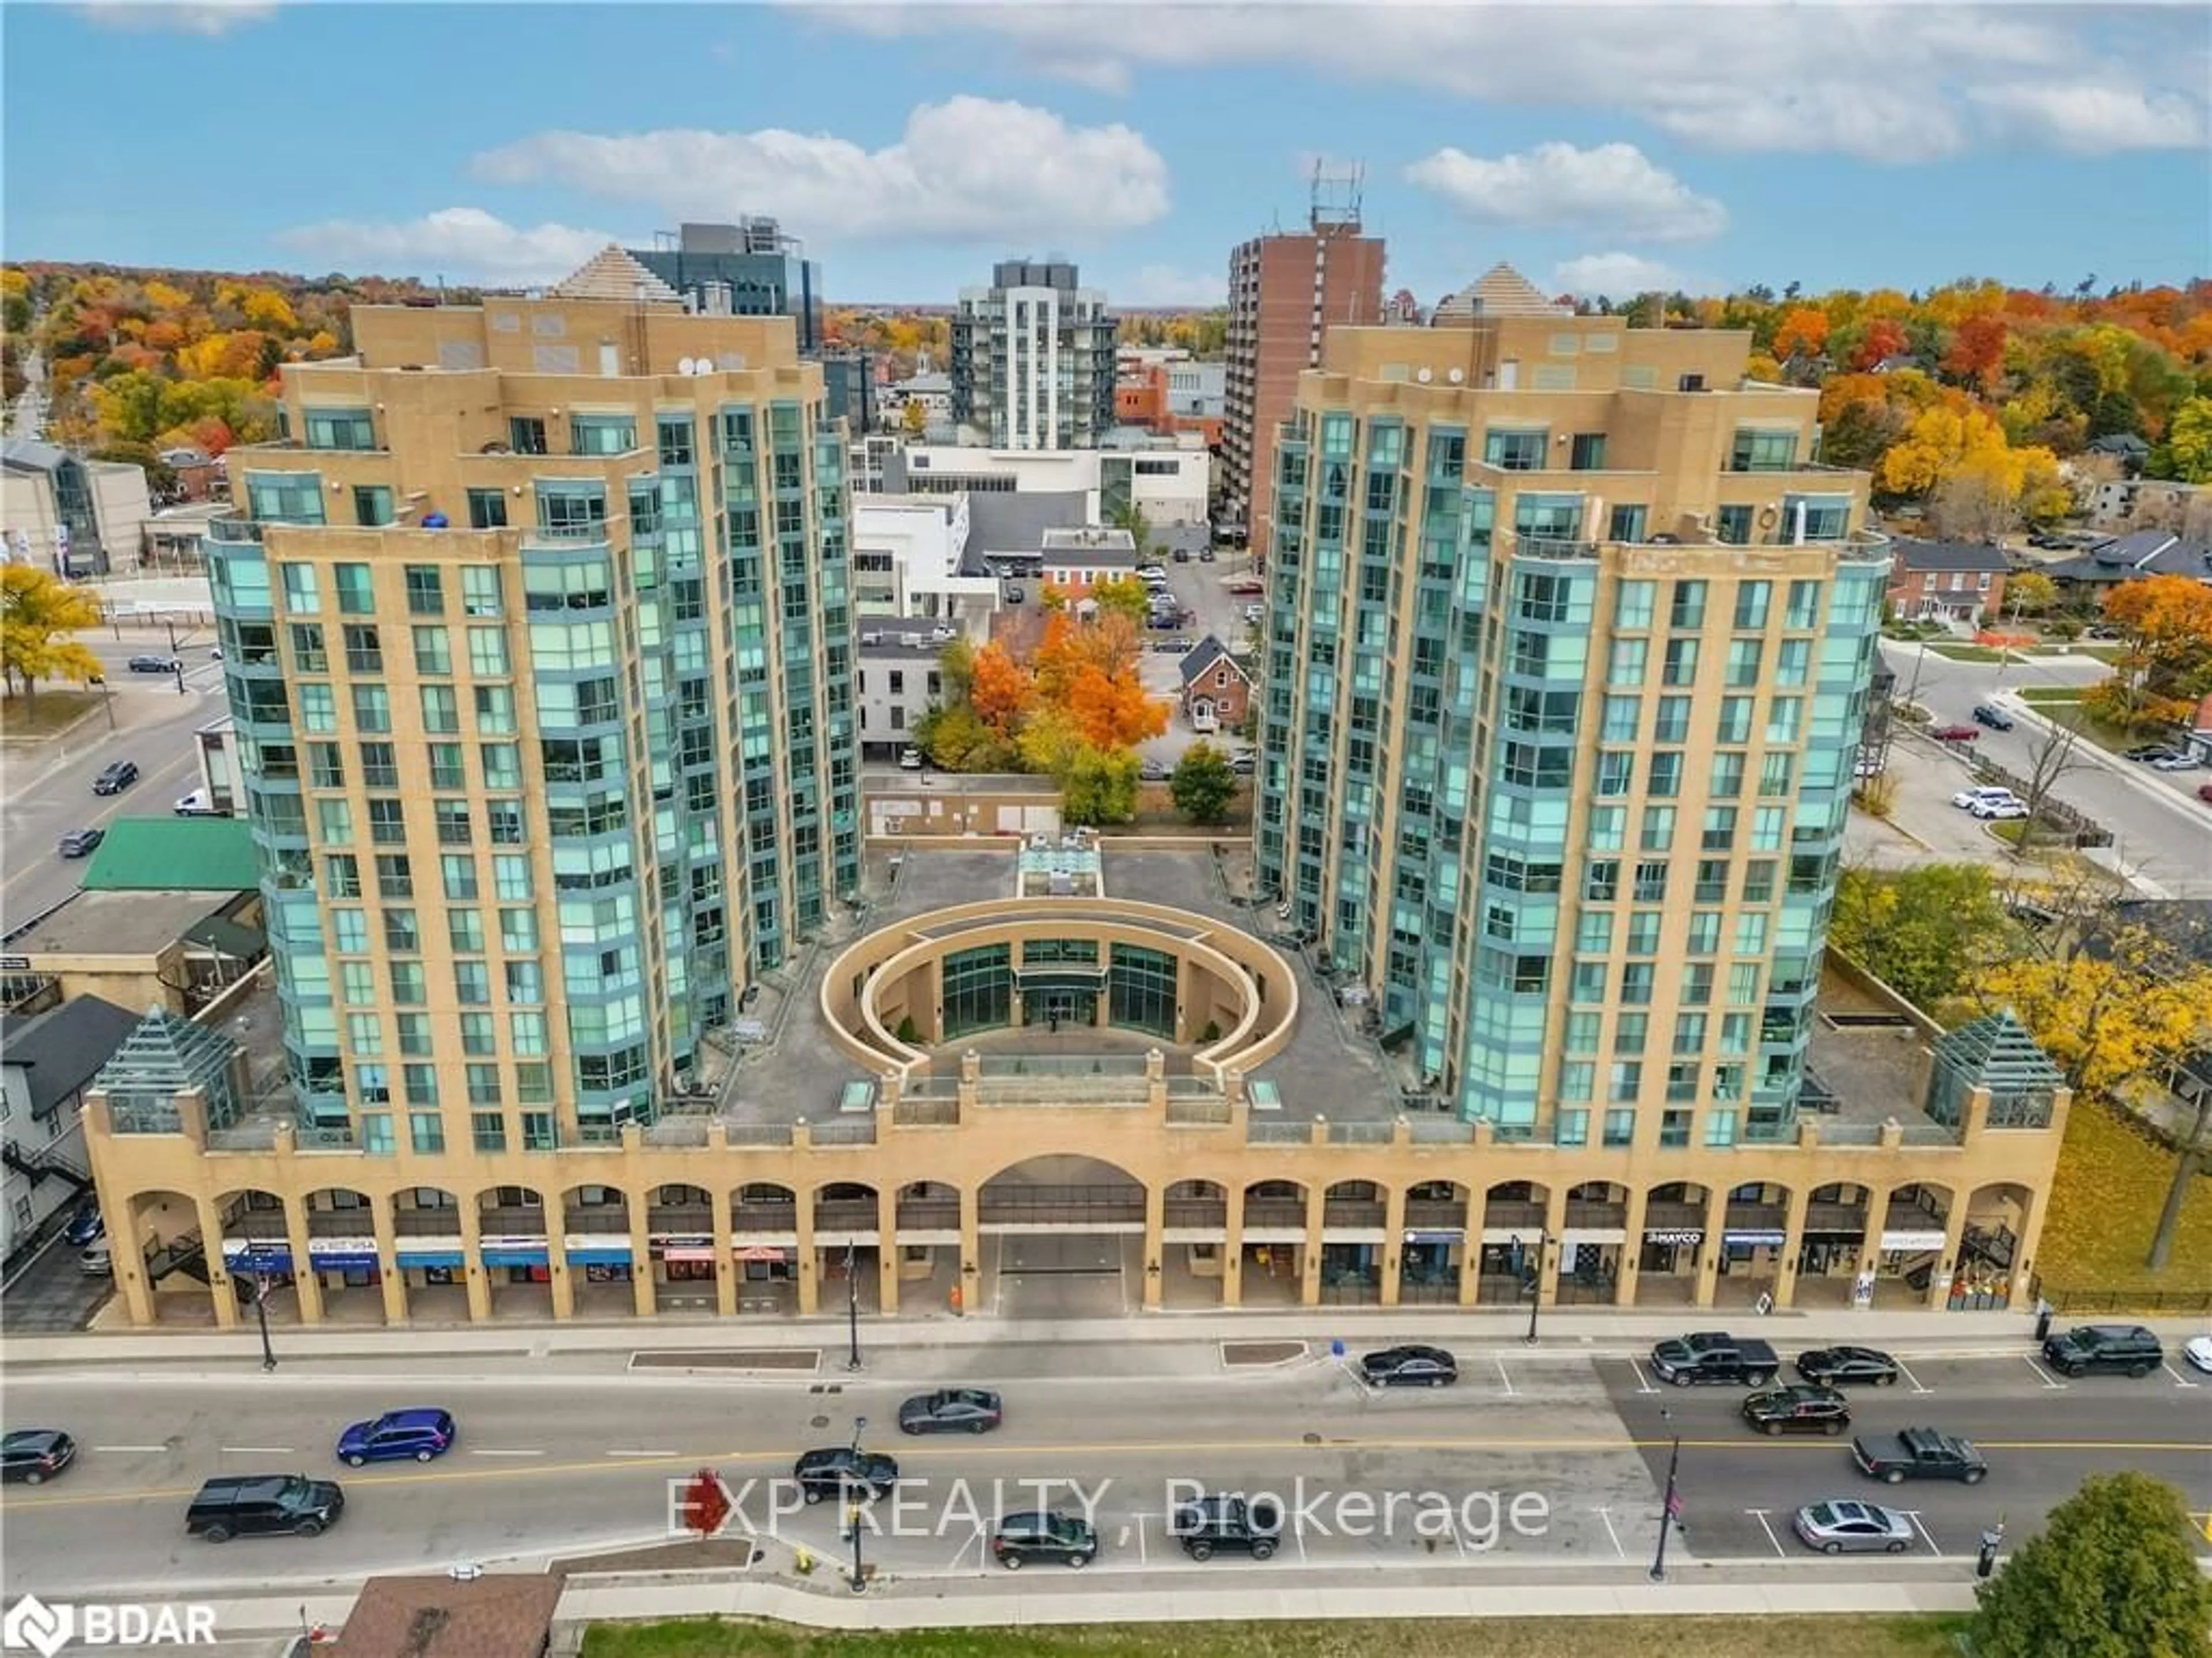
(260, 1504)
(155, 665)
(1043, 1535)
(116, 778)
(1218, 1522)
(1798, 1409)
(2125, 1347)
(841, 1471)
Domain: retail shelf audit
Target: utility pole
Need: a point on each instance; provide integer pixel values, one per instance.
(852, 1308)
(261, 1315)
(1670, 1510)
(1536, 1284)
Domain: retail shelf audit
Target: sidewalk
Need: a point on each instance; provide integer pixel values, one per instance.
(1563, 1329)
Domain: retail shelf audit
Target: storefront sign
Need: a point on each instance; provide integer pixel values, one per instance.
(759, 1252)
(430, 1259)
(517, 1251)
(1756, 1239)
(591, 1249)
(1912, 1241)
(241, 1256)
(703, 1253)
(683, 1246)
(342, 1254)
(1594, 1237)
(1689, 1235)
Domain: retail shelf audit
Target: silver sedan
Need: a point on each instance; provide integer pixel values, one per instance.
(1845, 1526)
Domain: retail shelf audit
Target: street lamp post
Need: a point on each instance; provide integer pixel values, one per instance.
(1536, 1284)
(852, 1308)
(261, 1316)
(858, 1580)
(1671, 1508)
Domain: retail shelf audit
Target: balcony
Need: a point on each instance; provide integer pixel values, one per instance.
(1196, 1211)
(845, 1215)
(359, 1223)
(427, 1222)
(692, 1219)
(928, 1214)
(1597, 1216)
(754, 1216)
(526, 1221)
(1850, 1218)
(235, 531)
(1513, 1212)
(1435, 1214)
(596, 1218)
(1353, 1212)
(1674, 1217)
(1099, 1206)
(1276, 1211)
(1758, 1217)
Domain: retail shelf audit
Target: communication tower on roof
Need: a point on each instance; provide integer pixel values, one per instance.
(1334, 198)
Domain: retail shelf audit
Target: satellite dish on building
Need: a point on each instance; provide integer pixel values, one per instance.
(689, 366)
(1425, 375)
(1457, 376)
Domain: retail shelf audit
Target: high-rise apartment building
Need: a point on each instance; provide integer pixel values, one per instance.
(1033, 358)
(538, 637)
(1286, 292)
(1569, 645)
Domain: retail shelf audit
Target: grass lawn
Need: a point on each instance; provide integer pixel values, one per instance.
(1957, 653)
(1513, 1638)
(2111, 1184)
(54, 710)
(2059, 702)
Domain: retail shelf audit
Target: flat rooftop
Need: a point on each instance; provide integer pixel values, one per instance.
(123, 923)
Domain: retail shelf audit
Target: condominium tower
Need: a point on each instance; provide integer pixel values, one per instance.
(1284, 293)
(1033, 358)
(537, 638)
(1567, 655)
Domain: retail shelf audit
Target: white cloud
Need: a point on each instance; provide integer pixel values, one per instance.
(2095, 119)
(1554, 187)
(208, 17)
(972, 167)
(1886, 83)
(462, 243)
(1617, 276)
(1165, 285)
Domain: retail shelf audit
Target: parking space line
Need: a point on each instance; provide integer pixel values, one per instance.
(1759, 1515)
(1299, 1537)
(132, 1450)
(1909, 1377)
(2040, 1371)
(1643, 1383)
(2180, 1380)
(1503, 1377)
(1605, 1514)
(1142, 1555)
(1913, 1515)
(960, 1553)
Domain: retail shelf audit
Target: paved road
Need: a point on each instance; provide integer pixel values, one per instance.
(558, 1456)
(1203, 588)
(2162, 830)
(49, 788)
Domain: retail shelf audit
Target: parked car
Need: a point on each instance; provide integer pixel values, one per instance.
(97, 1262)
(1920, 1454)
(2204, 792)
(116, 778)
(1965, 798)
(2178, 762)
(911, 759)
(1838, 1367)
(2198, 1351)
(1216, 1522)
(1182, 555)
(155, 665)
(1956, 733)
(397, 1436)
(1044, 1535)
(85, 1225)
(1995, 718)
(1153, 771)
(2150, 751)
(262, 1504)
(1205, 555)
(951, 1410)
(200, 803)
(1841, 1525)
(81, 843)
(841, 1471)
(2008, 807)
(1242, 762)
(1409, 1367)
(31, 1456)
(1015, 595)
(2128, 1348)
(1797, 1408)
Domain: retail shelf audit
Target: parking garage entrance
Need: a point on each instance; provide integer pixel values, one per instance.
(1061, 1238)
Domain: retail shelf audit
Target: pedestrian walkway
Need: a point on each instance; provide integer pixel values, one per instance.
(1563, 1330)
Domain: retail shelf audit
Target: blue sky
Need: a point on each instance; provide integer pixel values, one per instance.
(1602, 149)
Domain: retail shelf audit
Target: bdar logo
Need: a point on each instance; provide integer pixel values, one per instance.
(32, 1625)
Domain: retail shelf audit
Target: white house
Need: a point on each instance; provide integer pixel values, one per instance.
(1169, 486)
(911, 561)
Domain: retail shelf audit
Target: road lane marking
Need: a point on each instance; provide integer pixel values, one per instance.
(132, 1450)
(1586, 1445)
(1505, 1378)
(2045, 1375)
(258, 1450)
(2180, 1380)
(1605, 1514)
(1909, 1377)
(1643, 1385)
(1913, 1515)
(635, 1456)
(1142, 1556)
(1759, 1515)
(480, 1452)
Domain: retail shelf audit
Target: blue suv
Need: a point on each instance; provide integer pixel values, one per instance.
(396, 1436)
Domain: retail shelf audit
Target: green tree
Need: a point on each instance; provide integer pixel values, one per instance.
(1923, 931)
(38, 613)
(2112, 1575)
(1125, 594)
(2030, 590)
(1202, 784)
(2189, 441)
(1099, 786)
(1131, 517)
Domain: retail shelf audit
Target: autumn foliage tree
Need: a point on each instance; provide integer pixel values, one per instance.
(39, 612)
(2165, 667)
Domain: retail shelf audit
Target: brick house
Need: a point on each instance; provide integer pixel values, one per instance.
(1959, 583)
(1217, 691)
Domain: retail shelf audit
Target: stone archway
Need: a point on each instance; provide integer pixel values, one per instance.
(1062, 1236)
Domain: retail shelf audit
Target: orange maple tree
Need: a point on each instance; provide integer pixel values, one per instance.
(1000, 690)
